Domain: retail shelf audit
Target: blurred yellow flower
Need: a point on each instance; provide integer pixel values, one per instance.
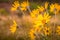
(35, 30)
(46, 18)
(13, 9)
(47, 31)
(41, 8)
(34, 13)
(42, 19)
(37, 20)
(55, 8)
(31, 34)
(52, 8)
(58, 30)
(15, 6)
(13, 27)
(24, 5)
(46, 5)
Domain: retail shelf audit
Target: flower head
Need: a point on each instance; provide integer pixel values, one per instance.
(24, 5)
(32, 35)
(58, 30)
(52, 7)
(55, 8)
(46, 5)
(47, 30)
(41, 8)
(34, 13)
(46, 18)
(42, 19)
(15, 6)
(13, 27)
(34, 31)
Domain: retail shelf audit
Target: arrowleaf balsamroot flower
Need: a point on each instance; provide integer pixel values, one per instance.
(52, 8)
(41, 8)
(47, 31)
(46, 18)
(13, 27)
(55, 8)
(46, 5)
(42, 19)
(24, 5)
(58, 30)
(31, 34)
(15, 6)
(34, 13)
(37, 29)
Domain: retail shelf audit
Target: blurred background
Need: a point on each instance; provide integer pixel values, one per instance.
(31, 0)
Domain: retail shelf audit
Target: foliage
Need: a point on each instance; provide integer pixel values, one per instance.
(3, 12)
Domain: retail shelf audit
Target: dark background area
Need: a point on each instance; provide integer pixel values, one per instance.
(32, 0)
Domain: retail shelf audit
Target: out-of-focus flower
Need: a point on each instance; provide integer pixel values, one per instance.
(15, 6)
(42, 19)
(58, 30)
(41, 8)
(46, 18)
(38, 20)
(34, 31)
(55, 8)
(47, 31)
(32, 35)
(24, 5)
(34, 13)
(37, 28)
(13, 27)
(46, 5)
(52, 8)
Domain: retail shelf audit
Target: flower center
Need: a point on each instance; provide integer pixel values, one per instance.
(43, 21)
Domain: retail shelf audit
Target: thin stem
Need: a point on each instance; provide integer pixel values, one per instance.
(54, 26)
(28, 7)
(37, 36)
(21, 11)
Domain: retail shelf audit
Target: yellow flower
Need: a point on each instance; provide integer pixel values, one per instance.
(15, 6)
(31, 34)
(52, 8)
(13, 27)
(46, 5)
(42, 19)
(46, 18)
(47, 31)
(37, 20)
(34, 13)
(13, 9)
(59, 7)
(55, 8)
(41, 8)
(58, 30)
(24, 5)
(36, 29)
